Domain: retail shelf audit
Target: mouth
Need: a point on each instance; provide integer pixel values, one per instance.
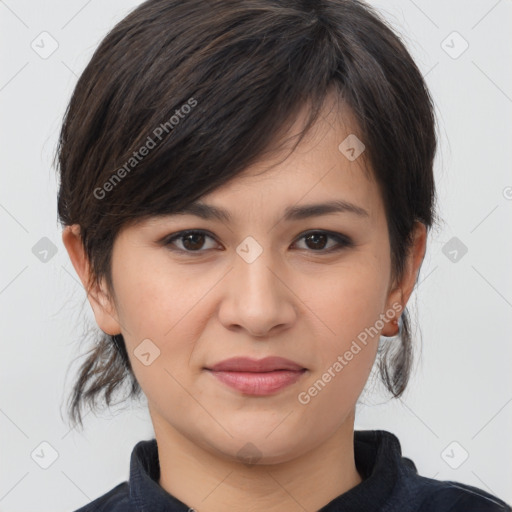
(257, 377)
(247, 364)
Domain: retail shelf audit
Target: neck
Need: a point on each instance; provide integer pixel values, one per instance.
(209, 482)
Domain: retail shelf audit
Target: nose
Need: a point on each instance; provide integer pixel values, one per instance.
(257, 298)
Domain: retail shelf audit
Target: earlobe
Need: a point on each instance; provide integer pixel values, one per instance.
(394, 309)
(101, 303)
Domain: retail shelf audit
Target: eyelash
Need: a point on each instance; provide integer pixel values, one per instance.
(342, 241)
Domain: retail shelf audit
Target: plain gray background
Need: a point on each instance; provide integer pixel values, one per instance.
(455, 419)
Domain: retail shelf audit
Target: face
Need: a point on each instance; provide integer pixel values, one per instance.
(314, 289)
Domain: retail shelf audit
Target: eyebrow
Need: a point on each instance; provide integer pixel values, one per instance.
(210, 212)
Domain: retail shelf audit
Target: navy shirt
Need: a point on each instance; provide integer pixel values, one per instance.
(390, 483)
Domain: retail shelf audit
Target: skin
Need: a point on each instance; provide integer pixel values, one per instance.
(295, 300)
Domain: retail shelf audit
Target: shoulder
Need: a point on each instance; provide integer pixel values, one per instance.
(412, 491)
(448, 496)
(115, 500)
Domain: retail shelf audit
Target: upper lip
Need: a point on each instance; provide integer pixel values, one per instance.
(247, 364)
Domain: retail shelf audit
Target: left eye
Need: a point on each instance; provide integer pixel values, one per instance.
(319, 238)
(193, 241)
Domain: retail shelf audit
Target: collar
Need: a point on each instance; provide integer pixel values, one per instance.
(378, 459)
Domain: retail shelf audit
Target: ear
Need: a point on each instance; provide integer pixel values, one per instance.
(402, 290)
(102, 305)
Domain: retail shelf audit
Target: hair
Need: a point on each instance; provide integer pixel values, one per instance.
(222, 79)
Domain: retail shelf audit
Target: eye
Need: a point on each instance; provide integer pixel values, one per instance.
(192, 241)
(317, 241)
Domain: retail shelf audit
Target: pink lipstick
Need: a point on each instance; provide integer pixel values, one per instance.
(257, 377)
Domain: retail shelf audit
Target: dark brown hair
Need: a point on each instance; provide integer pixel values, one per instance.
(218, 81)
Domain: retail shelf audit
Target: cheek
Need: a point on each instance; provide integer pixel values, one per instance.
(346, 349)
(154, 294)
(160, 315)
(349, 300)
(349, 307)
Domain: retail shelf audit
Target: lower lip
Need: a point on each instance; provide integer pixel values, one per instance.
(252, 383)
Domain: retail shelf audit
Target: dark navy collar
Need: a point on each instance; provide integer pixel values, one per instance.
(378, 459)
(145, 492)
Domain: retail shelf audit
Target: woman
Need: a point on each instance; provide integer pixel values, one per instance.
(246, 192)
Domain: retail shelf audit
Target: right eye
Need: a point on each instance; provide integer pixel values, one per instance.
(191, 241)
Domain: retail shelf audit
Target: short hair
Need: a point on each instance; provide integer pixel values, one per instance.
(222, 79)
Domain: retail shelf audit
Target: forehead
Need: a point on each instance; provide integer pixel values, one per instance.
(330, 163)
